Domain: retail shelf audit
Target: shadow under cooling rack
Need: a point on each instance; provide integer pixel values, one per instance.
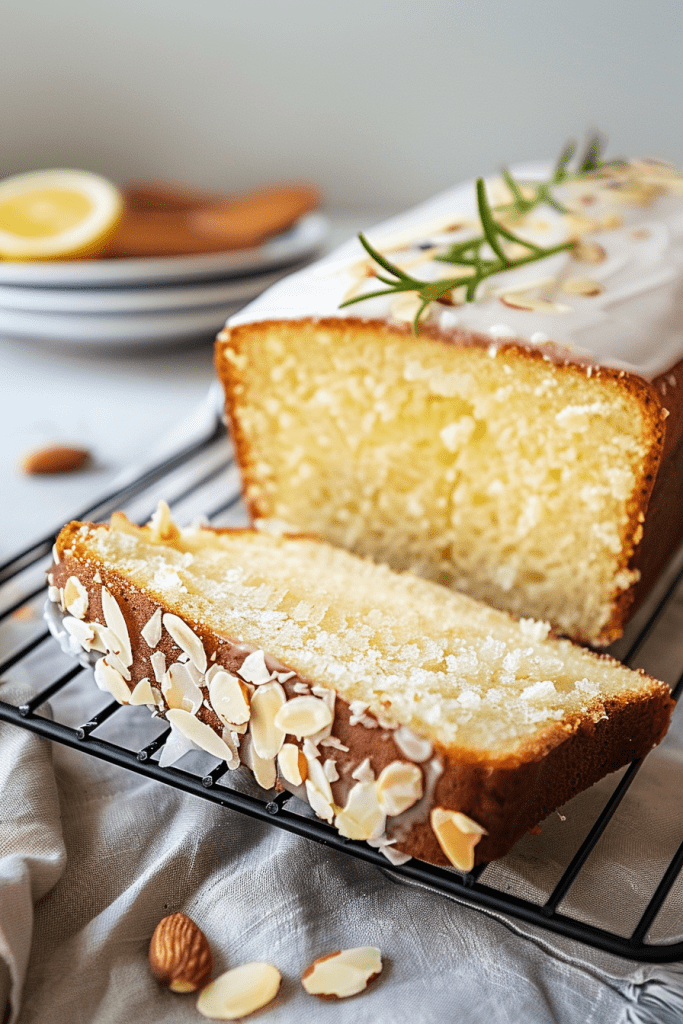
(554, 882)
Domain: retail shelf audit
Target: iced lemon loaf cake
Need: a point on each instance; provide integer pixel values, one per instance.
(502, 413)
(406, 714)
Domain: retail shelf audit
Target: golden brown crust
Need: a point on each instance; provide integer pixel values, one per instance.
(507, 795)
(648, 397)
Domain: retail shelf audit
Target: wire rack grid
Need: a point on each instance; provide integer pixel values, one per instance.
(202, 481)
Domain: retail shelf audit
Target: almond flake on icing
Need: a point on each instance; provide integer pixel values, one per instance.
(110, 680)
(292, 765)
(362, 817)
(263, 769)
(158, 663)
(75, 597)
(266, 736)
(399, 787)
(143, 693)
(232, 743)
(151, 633)
(115, 662)
(318, 779)
(83, 632)
(357, 709)
(457, 836)
(229, 697)
(415, 748)
(199, 733)
(54, 595)
(113, 616)
(55, 555)
(310, 749)
(180, 690)
(330, 769)
(301, 688)
(186, 639)
(364, 772)
(254, 669)
(322, 807)
(284, 677)
(303, 716)
(97, 578)
(332, 741)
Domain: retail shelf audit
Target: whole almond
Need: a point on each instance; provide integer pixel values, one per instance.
(55, 459)
(179, 954)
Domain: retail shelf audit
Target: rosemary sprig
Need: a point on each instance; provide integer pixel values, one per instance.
(470, 254)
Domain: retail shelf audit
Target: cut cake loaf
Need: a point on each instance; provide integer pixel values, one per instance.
(406, 714)
(524, 447)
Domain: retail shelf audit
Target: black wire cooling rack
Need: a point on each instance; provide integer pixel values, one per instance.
(202, 480)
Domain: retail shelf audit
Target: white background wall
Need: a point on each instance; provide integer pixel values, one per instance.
(381, 101)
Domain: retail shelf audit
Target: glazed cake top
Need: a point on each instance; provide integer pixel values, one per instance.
(615, 299)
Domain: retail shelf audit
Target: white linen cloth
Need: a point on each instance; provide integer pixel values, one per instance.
(93, 856)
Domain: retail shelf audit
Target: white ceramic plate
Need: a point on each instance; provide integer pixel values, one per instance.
(304, 239)
(14, 298)
(127, 330)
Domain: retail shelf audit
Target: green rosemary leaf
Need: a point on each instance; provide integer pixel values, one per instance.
(560, 173)
(591, 159)
(487, 222)
(383, 262)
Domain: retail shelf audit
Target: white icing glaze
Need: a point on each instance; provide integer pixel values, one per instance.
(635, 324)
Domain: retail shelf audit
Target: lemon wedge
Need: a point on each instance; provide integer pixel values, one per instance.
(57, 215)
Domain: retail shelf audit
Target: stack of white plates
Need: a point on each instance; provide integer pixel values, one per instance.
(153, 301)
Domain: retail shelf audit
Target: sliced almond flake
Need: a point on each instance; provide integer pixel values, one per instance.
(115, 662)
(54, 594)
(322, 807)
(232, 743)
(362, 817)
(399, 787)
(301, 688)
(303, 716)
(415, 748)
(284, 677)
(97, 578)
(143, 693)
(158, 663)
(199, 733)
(108, 679)
(582, 286)
(527, 302)
(310, 749)
(83, 632)
(186, 639)
(113, 616)
(151, 633)
(342, 974)
(457, 836)
(330, 769)
(525, 286)
(229, 698)
(264, 770)
(239, 992)
(364, 772)
(55, 555)
(395, 857)
(318, 779)
(254, 669)
(292, 764)
(75, 597)
(332, 741)
(267, 737)
(357, 709)
(161, 525)
(589, 252)
(180, 690)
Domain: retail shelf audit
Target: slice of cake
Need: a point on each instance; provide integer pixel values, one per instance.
(490, 410)
(406, 714)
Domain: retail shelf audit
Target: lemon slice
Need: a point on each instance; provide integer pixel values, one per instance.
(57, 215)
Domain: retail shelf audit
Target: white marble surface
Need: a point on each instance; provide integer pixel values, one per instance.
(119, 405)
